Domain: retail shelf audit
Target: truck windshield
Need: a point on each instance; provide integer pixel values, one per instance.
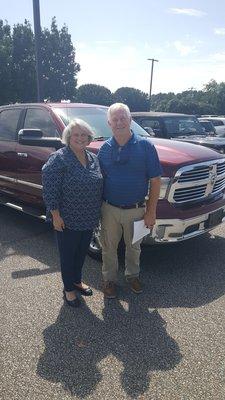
(96, 117)
(182, 126)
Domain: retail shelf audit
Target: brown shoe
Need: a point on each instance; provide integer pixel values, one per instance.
(135, 285)
(109, 290)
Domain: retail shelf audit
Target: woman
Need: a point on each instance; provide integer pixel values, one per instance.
(72, 191)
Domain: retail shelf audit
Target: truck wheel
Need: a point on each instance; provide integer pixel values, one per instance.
(95, 249)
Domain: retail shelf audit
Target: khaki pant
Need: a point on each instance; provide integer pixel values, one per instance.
(115, 222)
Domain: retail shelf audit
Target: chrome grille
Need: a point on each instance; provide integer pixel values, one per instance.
(219, 185)
(221, 168)
(189, 193)
(198, 181)
(195, 175)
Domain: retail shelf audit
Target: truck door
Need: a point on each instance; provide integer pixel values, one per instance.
(32, 158)
(9, 125)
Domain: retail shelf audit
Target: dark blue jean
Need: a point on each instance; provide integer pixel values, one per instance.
(73, 246)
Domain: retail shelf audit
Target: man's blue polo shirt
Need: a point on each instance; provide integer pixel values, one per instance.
(127, 169)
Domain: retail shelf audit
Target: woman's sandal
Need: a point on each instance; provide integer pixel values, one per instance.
(72, 303)
(85, 292)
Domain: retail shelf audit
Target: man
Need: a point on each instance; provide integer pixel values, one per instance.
(128, 162)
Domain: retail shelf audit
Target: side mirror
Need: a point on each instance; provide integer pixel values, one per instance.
(31, 133)
(34, 137)
(149, 130)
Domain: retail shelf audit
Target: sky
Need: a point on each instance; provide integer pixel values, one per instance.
(114, 39)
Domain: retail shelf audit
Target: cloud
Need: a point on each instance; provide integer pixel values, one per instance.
(80, 46)
(109, 66)
(192, 12)
(219, 31)
(106, 42)
(183, 49)
(218, 56)
(177, 77)
(114, 67)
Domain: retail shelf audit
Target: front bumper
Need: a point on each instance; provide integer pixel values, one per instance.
(176, 230)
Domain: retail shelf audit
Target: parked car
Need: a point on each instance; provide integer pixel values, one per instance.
(192, 196)
(207, 126)
(175, 126)
(218, 123)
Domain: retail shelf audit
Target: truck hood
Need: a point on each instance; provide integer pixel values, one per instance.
(209, 141)
(177, 153)
(174, 154)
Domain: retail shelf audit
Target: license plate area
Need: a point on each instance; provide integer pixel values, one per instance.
(215, 218)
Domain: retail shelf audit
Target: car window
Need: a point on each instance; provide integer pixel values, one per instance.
(150, 123)
(178, 126)
(217, 122)
(207, 125)
(37, 118)
(96, 117)
(8, 123)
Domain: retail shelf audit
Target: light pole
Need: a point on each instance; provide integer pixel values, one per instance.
(151, 77)
(37, 35)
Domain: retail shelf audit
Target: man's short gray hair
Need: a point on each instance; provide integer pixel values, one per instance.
(84, 127)
(118, 106)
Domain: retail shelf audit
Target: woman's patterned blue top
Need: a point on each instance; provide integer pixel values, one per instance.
(74, 190)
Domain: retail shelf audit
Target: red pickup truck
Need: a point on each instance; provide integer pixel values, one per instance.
(192, 197)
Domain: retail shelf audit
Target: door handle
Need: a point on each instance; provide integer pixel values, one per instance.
(25, 155)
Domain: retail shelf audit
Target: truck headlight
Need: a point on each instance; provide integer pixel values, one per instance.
(164, 188)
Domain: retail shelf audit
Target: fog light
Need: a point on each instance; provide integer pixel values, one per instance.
(165, 183)
(160, 231)
(176, 234)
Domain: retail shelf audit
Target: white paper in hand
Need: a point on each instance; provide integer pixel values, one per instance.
(140, 230)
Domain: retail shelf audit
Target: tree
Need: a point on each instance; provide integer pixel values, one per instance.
(175, 105)
(159, 101)
(188, 107)
(5, 63)
(94, 94)
(215, 94)
(17, 63)
(23, 63)
(59, 68)
(134, 98)
(220, 103)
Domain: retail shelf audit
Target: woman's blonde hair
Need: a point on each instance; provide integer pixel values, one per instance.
(84, 127)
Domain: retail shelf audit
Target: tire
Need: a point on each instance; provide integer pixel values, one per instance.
(95, 249)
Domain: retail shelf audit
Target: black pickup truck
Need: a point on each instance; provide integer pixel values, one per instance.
(182, 127)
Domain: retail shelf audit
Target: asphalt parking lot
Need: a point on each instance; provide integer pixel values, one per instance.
(167, 343)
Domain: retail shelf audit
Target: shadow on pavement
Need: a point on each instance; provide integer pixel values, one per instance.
(24, 235)
(76, 344)
(189, 274)
(186, 274)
